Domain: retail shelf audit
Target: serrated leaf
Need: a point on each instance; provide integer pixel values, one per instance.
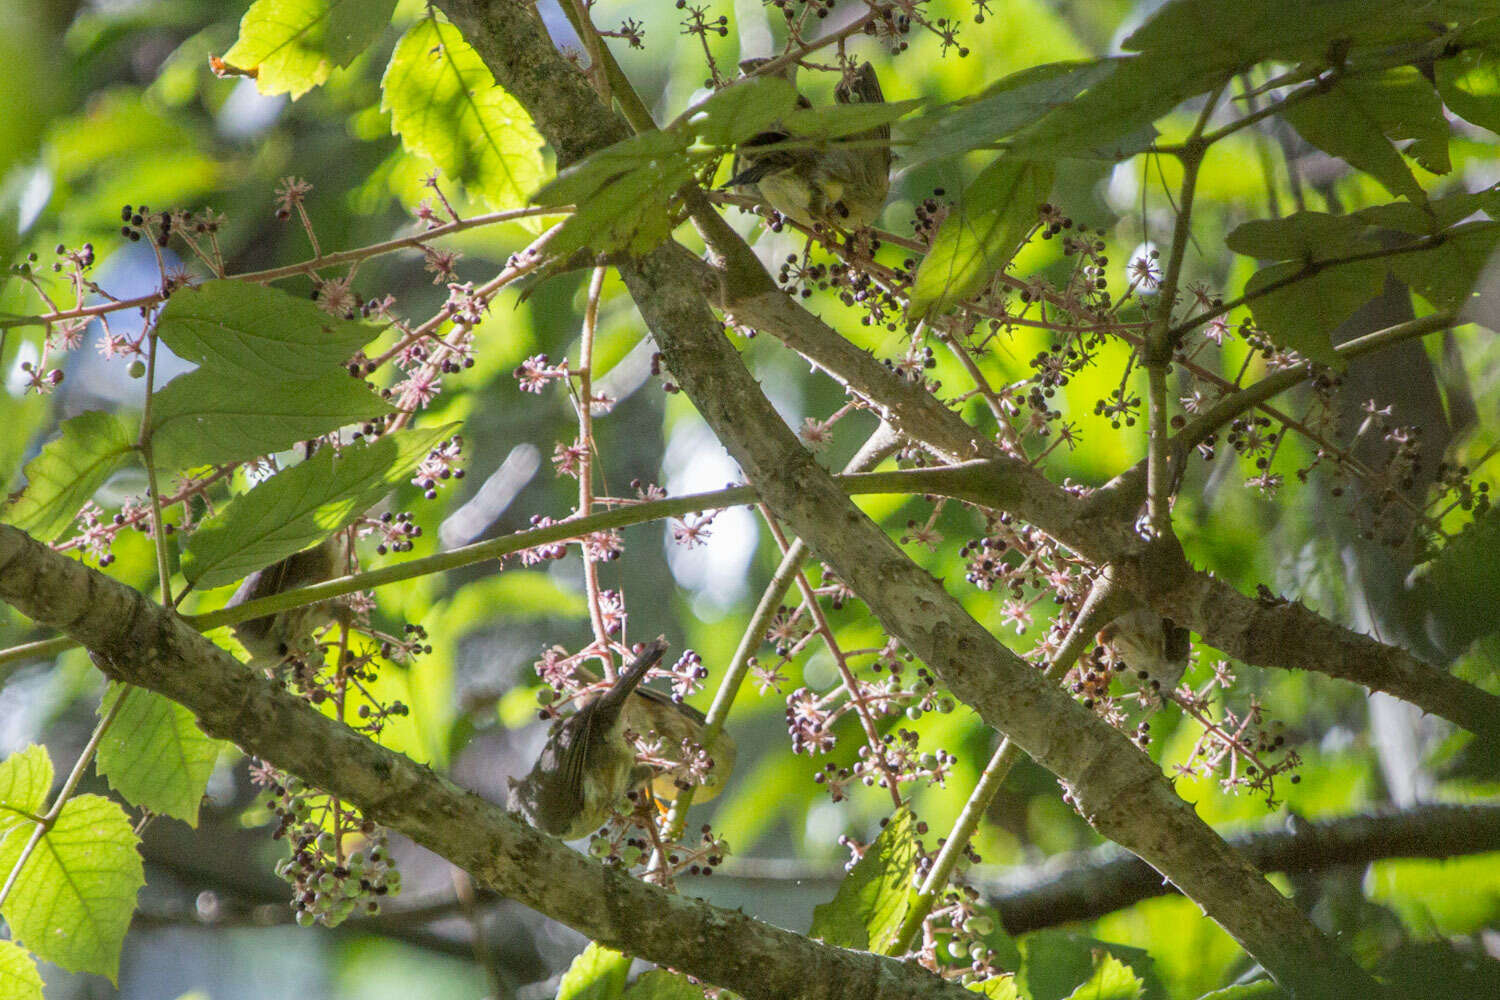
(981, 235)
(997, 988)
(630, 212)
(202, 418)
(155, 755)
(598, 973)
(1303, 314)
(293, 45)
(256, 333)
(1238, 35)
(1358, 119)
(19, 979)
(1004, 107)
(1436, 214)
(1302, 236)
(446, 107)
(68, 471)
(25, 779)
(1056, 962)
(579, 182)
(659, 984)
(867, 911)
(1111, 980)
(301, 506)
(741, 110)
(72, 900)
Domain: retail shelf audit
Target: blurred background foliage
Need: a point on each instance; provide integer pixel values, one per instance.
(114, 102)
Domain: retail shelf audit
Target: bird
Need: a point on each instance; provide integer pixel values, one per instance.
(1155, 648)
(272, 639)
(840, 183)
(588, 764)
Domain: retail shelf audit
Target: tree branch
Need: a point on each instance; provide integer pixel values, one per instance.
(142, 643)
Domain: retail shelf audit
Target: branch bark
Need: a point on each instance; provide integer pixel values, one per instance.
(142, 643)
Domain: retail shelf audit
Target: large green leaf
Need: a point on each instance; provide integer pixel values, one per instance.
(1004, 107)
(25, 779)
(1303, 313)
(251, 332)
(740, 110)
(630, 212)
(1358, 119)
(598, 973)
(1240, 34)
(1470, 85)
(72, 900)
(579, 182)
(19, 979)
(659, 984)
(981, 234)
(446, 107)
(301, 506)
(203, 418)
(293, 45)
(68, 471)
(1302, 236)
(155, 755)
(831, 121)
(1111, 980)
(1060, 964)
(867, 911)
(1434, 215)
(1448, 274)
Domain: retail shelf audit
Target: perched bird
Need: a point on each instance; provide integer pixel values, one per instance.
(588, 765)
(841, 183)
(273, 638)
(1154, 648)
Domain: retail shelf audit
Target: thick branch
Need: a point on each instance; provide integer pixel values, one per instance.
(147, 645)
(1107, 879)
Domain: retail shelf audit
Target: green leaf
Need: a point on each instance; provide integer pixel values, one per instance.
(598, 973)
(293, 45)
(997, 988)
(630, 212)
(1435, 215)
(981, 235)
(1057, 962)
(25, 779)
(1359, 117)
(872, 901)
(659, 984)
(19, 979)
(155, 755)
(1458, 592)
(1111, 980)
(1239, 35)
(67, 473)
(1262, 990)
(1003, 107)
(1448, 274)
(446, 107)
(833, 121)
(202, 418)
(741, 110)
(254, 333)
(1303, 314)
(72, 900)
(1301, 236)
(579, 182)
(1470, 85)
(302, 505)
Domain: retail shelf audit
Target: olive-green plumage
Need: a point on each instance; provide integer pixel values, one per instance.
(587, 765)
(841, 182)
(272, 638)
